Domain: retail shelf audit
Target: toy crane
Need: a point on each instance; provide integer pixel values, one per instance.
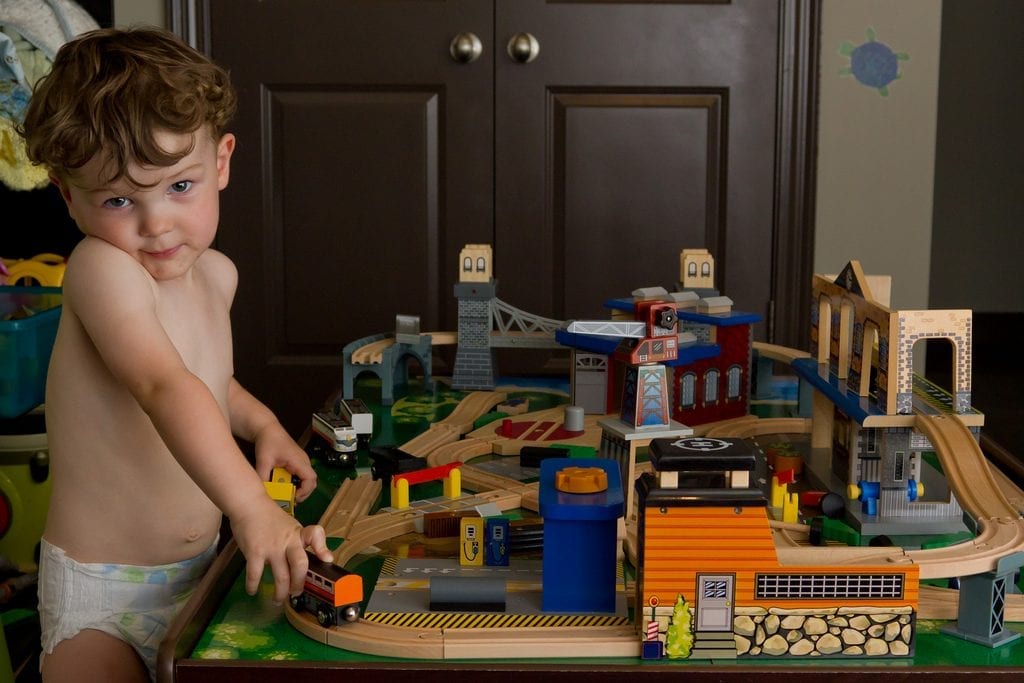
(646, 345)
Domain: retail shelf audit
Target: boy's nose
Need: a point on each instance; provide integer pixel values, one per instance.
(154, 224)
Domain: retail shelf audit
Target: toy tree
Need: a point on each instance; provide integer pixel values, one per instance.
(679, 638)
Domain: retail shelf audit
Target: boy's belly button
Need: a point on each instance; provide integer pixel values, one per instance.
(192, 535)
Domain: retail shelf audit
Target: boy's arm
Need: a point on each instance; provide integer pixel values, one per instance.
(116, 302)
(252, 421)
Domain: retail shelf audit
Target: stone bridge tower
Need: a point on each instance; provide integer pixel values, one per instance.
(475, 367)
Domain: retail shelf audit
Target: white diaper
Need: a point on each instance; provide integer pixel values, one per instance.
(135, 604)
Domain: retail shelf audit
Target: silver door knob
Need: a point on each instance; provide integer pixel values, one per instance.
(465, 48)
(523, 48)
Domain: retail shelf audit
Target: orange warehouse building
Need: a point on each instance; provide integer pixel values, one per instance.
(704, 534)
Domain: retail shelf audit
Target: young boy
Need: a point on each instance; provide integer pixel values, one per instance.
(141, 405)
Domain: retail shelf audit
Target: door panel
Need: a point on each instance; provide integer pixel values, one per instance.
(358, 230)
(639, 129)
(607, 203)
(715, 602)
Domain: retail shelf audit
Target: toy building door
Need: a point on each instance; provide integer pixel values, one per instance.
(587, 142)
(715, 602)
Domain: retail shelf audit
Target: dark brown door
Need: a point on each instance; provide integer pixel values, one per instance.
(368, 157)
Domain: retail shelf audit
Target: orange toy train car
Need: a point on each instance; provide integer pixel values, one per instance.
(332, 593)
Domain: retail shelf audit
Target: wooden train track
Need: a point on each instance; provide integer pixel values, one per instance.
(353, 501)
(773, 425)
(966, 468)
(372, 353)
(472, 643)
(1001, 528)
(470, 408)
(370, 530)
(459, 451)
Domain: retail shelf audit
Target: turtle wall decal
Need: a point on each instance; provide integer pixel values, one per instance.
(873, 63)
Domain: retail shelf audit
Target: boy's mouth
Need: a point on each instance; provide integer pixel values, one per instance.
(164, 254)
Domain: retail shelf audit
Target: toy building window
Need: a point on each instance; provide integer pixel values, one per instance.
(481, 264)
(691, 269)
(686, 390)
(870, 440)
(898, 466)
(705, 269)
(467, 264)
(716, 589)
(711, 387)
(735, 373)
(830, 586)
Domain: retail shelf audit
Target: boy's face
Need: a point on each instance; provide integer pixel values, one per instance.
(166, 226)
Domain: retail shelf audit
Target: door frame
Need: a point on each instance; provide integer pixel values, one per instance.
(796, 136)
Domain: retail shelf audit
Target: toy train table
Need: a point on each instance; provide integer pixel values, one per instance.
(499, 634)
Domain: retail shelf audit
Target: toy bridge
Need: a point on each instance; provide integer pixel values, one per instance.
(514, 328)
(485, 323)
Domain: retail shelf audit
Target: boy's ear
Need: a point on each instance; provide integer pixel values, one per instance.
(63, 190)
(65, 194)
(225, 148)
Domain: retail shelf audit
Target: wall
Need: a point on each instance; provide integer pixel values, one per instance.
(877, 147)
(977, 240)
(129, 12)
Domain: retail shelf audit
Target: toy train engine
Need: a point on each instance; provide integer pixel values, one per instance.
(340, 435)
(332, 593)
(359, 416)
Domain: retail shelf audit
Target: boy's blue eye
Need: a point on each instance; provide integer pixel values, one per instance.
(181, 186)
(117, 202)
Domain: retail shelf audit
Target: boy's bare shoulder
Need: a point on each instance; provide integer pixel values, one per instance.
(93, 251)
(220, 271)
(95, 264)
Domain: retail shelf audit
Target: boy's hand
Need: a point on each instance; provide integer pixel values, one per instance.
(274, 448)
(267, 535)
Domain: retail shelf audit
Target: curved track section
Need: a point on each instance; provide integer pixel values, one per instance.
(966, 468)
(470, 408)
(770, 425)
(783, 354)
(429, 441)
(1000, 526)
(372, 353)
(427, 643)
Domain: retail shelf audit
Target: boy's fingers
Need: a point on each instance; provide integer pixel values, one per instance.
(299, 564)
(264, 472)
(307, 485)
(315, 537)
(282, 580)
(253, 575)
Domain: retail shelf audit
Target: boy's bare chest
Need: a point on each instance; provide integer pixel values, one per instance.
(200, 329)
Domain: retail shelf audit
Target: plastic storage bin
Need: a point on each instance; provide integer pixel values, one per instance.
(25, 345)
(25, 486)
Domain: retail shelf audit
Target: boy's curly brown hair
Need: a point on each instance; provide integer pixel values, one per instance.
(111, 90)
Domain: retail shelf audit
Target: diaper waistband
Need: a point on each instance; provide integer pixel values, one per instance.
(171, 573)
